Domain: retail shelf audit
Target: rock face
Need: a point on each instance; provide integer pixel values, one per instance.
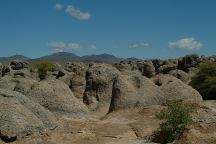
(133, 90)
(20, 116)
(57, 97)
(175, 89)
(99, 79)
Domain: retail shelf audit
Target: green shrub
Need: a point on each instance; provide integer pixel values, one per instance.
(43, 67)
(205, 80)
(177, 116)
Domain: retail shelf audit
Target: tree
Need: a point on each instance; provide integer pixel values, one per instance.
(205, 80)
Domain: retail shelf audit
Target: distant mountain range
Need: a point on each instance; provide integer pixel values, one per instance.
(65, 56)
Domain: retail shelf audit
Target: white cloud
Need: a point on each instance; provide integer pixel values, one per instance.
(77, 13)
(59, 6)
(73, 46)
(58, 45)
(186, 43)
(92, 48)
(139, 45)
(63, 45)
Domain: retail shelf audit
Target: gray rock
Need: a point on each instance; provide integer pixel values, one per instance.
(175, 89)
(56, 96)
(99, 79)
(147, 69)
(183, 76)
(20, 116)
(133, 90)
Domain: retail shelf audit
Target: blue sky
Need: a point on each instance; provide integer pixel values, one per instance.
(124, 28)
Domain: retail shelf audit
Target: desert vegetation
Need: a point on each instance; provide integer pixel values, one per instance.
(205, 80)
(43, 68)
(176, 117)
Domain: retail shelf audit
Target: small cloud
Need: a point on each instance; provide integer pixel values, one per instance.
(139, 45)
(59, 6)
(186, 43)
(92, 48)
(77, 13)
(57, 45)
(63, 45)
(73, 46)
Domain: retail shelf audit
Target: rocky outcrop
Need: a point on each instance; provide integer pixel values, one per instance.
(20, 116)
(188, 62)
(133, 90)
(57, 97)
(18, 64)
(146, 68)
(99, 79)
(175, 89)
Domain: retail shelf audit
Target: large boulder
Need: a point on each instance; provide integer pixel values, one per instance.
(76, 67)
(99, 79)
(133, 90)
(183, 76)
(146, 68)
(18, 64)
(56, 96)
(175, 89)
(165, 69)
(20, 116)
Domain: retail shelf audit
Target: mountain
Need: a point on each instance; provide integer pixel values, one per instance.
(14, 57)
(60, 56)
(65, 56)
(101, 58)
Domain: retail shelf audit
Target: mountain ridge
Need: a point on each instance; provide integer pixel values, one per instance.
(66, 56)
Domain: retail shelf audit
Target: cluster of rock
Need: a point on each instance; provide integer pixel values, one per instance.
(29, 105)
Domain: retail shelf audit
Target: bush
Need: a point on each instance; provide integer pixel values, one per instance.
(205, 80)
(43, 67)
(177, 116)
